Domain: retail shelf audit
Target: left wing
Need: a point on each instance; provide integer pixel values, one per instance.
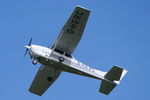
(72, 31)
(43, 79)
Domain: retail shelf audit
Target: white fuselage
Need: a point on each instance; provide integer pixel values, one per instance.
(62, 61)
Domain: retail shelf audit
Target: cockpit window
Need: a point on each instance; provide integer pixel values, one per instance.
(59, 51)
(67, 55)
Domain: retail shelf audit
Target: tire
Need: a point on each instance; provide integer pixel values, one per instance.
(61, 59)
(49, 79)
(34, 62)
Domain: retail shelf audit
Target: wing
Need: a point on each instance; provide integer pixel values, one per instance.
(43, 79)
(72, 31)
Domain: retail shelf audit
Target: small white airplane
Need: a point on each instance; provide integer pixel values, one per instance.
(59, 58)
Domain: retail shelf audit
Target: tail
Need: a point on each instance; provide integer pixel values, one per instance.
(112, 79)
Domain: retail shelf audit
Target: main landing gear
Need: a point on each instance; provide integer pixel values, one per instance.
(49, 78)
(61, 59)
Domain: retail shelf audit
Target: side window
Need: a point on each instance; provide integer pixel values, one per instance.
(67, 55)
(59, 51)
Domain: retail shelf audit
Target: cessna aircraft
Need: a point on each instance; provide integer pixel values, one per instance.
(58, 58)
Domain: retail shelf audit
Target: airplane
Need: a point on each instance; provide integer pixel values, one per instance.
(58, 58)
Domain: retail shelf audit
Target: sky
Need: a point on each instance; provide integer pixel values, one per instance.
(117, 33)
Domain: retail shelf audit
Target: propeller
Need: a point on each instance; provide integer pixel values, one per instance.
(28, 47)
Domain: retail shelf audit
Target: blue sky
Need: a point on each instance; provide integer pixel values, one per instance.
(117, 33)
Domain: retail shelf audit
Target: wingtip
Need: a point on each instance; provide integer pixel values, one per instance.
(83, 7)
(34, 92)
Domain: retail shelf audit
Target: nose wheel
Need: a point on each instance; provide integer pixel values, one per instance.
(34, 62)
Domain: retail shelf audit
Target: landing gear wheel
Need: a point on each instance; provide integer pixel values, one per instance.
(49, 79)
(61, 59)
(34, 62)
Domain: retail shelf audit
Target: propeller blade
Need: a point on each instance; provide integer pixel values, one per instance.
(28, 46)
(30, 41)
(25, 53)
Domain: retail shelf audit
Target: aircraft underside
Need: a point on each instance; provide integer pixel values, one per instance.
(59, 58)
(65, 65)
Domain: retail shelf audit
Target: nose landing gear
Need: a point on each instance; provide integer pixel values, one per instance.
(34, 62)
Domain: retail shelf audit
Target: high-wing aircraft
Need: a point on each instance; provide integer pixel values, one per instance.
(58, 58)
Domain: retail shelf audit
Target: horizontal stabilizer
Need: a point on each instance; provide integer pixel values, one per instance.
(112, 78)
(106, 87)
(114, 74)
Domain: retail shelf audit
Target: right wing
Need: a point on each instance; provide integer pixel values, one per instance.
(72, 31)
(43, 79)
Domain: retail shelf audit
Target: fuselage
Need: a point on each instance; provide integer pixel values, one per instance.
(62, 61)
